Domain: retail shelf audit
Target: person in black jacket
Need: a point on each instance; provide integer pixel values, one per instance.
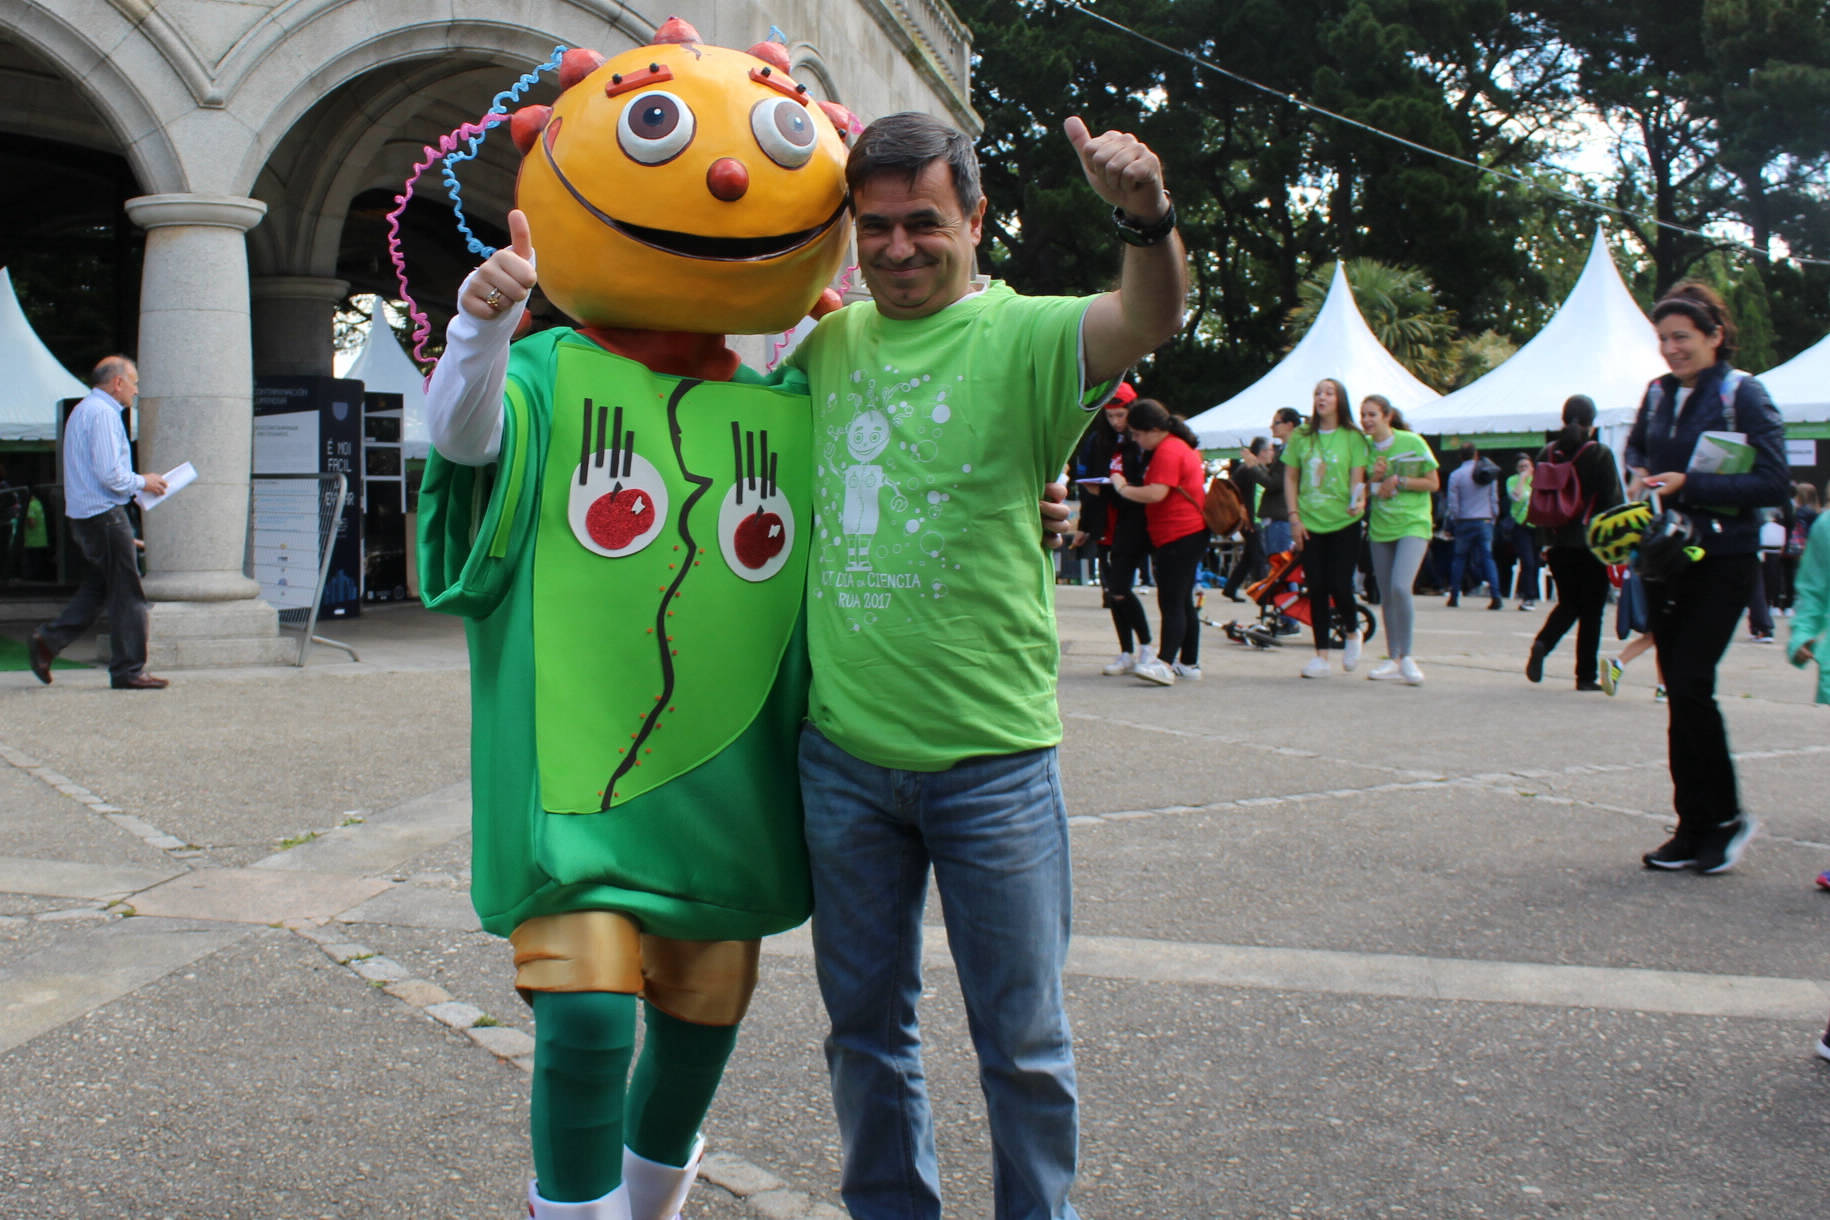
(1581, 580)
(1117, 525)
(1694, 608)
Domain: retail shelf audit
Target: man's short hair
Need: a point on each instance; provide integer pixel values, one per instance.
(1469, 451)
(107, 369)
(905, 143)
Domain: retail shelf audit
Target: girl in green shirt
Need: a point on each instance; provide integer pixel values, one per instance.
(1325, 486)
(1402, 476)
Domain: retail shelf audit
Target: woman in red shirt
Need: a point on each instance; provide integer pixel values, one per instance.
(1172, 495)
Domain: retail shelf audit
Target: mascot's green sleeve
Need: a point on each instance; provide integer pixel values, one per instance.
(632, 570)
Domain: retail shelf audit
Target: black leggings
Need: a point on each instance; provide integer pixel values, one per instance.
(1129, 543)
(1693, 620)
(1328, 563)
(1582, 598)
(1175, 563)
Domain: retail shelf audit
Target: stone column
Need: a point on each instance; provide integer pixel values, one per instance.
(292, 324)
(196, 403)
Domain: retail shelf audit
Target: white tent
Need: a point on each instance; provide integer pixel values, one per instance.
(1801, 386)
(1598, 343)
(383, 368)
(35, 382)
(1337, 344)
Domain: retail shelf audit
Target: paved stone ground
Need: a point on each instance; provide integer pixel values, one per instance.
(1343, 949)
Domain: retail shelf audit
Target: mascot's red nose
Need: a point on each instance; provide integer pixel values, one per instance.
(727, 179)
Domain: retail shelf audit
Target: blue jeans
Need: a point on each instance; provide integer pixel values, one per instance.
(994, 830)
(1476, 535)
(1276, 535)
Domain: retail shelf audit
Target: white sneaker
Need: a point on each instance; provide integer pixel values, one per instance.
(1123, 663)
(1385, 671)
(1153, 670)
(1317, 667)
(1412, 675)
(1188, 673)
(1350, 653)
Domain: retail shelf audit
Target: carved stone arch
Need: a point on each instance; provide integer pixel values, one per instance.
(123, 101)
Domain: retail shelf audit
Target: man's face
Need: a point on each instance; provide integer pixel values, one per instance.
(916, 246)
(125, 386)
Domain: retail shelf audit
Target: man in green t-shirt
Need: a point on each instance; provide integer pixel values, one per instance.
(941, 410)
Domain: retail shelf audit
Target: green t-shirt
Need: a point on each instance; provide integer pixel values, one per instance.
(930, 601)
(1407, 513)
(633, 569)
(1518, 496)
(1324, 463)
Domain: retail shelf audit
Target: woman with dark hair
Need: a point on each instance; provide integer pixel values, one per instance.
(1117, 524)
(1403, 476)
(1325, 486)
(1172, 496)
(1716, 487)
(1581, 579)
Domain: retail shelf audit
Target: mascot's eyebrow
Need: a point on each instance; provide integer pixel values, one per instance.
(654, 74)
(764, 76)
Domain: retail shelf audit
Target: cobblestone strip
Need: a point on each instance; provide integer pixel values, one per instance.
(762, 1192)
(151, 835)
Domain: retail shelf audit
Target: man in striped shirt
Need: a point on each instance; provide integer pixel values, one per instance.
(98, 482)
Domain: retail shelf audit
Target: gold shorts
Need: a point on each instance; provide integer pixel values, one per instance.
(707, 982)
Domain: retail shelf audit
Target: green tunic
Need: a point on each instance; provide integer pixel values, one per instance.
(632, 569)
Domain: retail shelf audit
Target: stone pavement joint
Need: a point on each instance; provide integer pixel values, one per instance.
(151, 835)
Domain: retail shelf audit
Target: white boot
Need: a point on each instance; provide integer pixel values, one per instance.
(613, 1206)
(657, 1191)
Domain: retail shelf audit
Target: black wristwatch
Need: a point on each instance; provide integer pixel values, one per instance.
(1134, 234)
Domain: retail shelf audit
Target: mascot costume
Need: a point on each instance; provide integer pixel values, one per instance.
(621, 513)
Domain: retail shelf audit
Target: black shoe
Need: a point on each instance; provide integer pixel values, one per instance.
(1454, 600)
(1534, 664)
(1722, 847)
(1234, 597)
(1674, 853)
(1496, 604)
(40, 655)
(1588, 686)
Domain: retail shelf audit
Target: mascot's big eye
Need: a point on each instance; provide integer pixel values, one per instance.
(656, 126)
(783, 129)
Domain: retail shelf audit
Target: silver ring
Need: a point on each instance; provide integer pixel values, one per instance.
(496, 301)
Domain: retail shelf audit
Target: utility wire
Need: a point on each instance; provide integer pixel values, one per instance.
(1529, 183)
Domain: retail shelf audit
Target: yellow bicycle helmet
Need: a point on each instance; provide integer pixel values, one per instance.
(1615, 532)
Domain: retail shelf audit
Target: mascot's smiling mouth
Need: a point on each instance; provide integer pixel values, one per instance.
(692, 245)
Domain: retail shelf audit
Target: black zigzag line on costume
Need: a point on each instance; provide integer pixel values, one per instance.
(701, 484)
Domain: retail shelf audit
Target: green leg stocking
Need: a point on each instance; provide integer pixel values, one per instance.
(673, 1084)
(582, 1045)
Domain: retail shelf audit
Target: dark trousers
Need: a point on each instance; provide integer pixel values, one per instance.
(1693, 619)
(111, 581)
(1582, 598)
(1328, 563)
(1525, 549)
(1129, 546)
(1250, 565)
(1179, 638)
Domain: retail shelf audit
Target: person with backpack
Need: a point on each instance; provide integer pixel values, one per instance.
(1709, 440)
(1473, 507)
(1174, 499)
(1402, 476)
(1573, 478)
(1117, 525)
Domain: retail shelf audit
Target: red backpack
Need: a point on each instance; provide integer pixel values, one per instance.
(1556, 493)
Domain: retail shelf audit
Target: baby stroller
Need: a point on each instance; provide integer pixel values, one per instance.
(1282, 599)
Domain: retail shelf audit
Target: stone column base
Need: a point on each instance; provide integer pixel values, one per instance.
(214, 635)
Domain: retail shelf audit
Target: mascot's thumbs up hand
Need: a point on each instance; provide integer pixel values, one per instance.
(506, 278)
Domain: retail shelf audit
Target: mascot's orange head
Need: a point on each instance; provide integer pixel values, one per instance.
(684, 187)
